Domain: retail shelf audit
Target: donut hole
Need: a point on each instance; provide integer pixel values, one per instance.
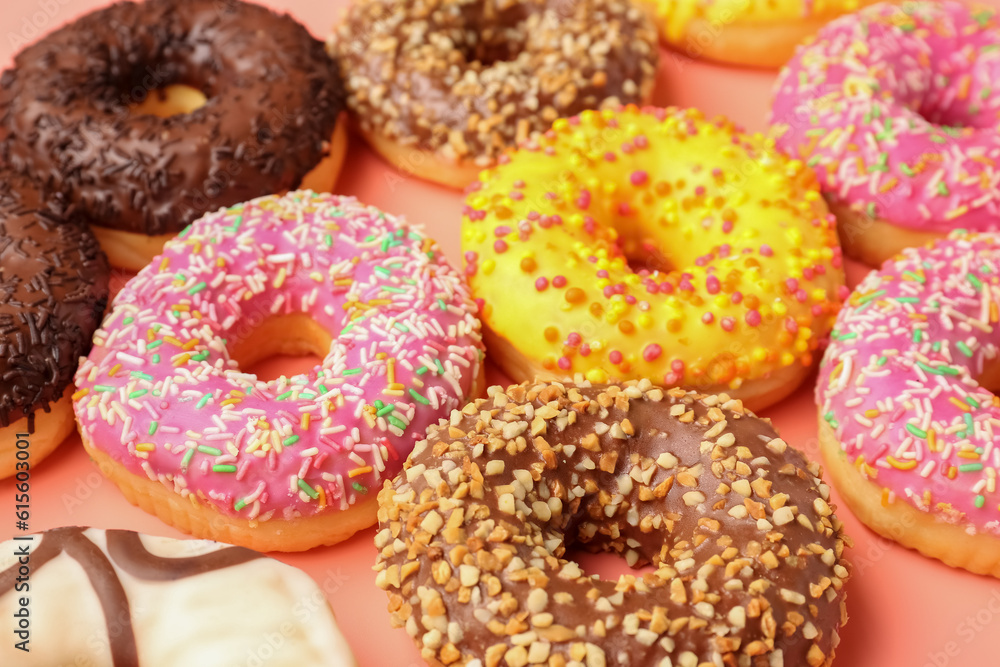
(607, 565)
(282, 345)
(174, 99)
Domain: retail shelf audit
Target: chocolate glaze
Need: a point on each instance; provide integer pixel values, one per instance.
(127, 552)
(468, 78)
(692, 484)
(53, 289)
(273, 97)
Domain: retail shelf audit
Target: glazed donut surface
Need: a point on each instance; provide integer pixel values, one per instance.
(474, 534)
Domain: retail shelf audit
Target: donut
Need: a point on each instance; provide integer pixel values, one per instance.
(474, 534)
(440, 88)
(751, 33)
(111, 598)
(53, 290)
(284, 465)
(894, 107)
(654, 243)
(273, 96)
(907, 423)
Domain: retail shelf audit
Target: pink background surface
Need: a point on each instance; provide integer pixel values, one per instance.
(905, 610)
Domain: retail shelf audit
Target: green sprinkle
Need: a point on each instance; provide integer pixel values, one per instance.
(905, 168)
(882, 361)
(917, 335)
(359, 487)
(201, 402)
(914, 276)
(239, 504)
(155, 344)
(352, 371)
(402, 327)
(976, 282)
(971, 401)
(323, 388)
(963, 348)
(919, 432)
(201, 356)
(397, 422)
(418, 396)
(422, 370)
(156, 358)
(849, 336)
(212, 451)
(384, 410)
(382, 271)
(980, 501)
(942, 189)
(197, 288)
(103, 387)
(968, 425)
(394, 290)
(907, 299)
(128, 320)
(188, 455)
(328, 240)
(939, 370)
(385, 243)
(970, 467)
(311, 492)
(938, 139)
(290, 440)
(138, 392)
(872, 296)
(441, 304)
(440, 367)
(153, 426)
(936, 346)
(223, 467)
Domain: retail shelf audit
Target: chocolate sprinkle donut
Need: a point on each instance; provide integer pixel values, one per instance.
(474, 534)
(273, 97)
(468, 78)
(53, 289)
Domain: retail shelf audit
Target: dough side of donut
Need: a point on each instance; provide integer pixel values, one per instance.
(874, 240)
(900, 521)
(51, 428)
(202, 521)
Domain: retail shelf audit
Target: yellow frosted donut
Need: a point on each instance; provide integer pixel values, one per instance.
(654, 243)
(756, 33)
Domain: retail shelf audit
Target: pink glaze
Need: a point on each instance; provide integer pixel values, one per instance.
(895, 108)
(161, 395)
(898, 381)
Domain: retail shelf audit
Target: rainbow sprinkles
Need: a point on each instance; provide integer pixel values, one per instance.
(162, 395)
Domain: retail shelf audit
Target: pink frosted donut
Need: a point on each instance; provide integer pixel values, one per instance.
(291, 463)
(896, 108)
(908, 432)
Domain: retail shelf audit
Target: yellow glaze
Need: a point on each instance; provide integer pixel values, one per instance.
(653, 243)
(677, 16)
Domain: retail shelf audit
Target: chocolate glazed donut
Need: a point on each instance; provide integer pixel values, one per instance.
(53, 289)
(747, 550)
(273, 97)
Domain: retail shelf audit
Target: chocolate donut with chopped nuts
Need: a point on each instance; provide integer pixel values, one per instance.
(474, 531)
(441, 87)
(66, 116)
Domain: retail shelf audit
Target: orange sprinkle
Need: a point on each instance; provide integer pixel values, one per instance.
(963, 87)
(190, 344)
(959, 404)
(305, 421)
(80, 394)
(322, 496)
(231, 401)
(145, 447)
(885, 497)
(391, 371)
(871, 414)
(952, 472)
(173, 341)
(359, 471)
(909, 464)
(164, 262)
(968, 454)
(343, 281)
(183, 359)
(994, 312)
(932, 440)
(114, 369)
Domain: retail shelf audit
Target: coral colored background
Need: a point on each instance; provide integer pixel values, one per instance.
(906, 611)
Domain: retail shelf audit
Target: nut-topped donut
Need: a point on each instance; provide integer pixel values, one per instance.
(475, 531)
(273, 96)
(654, 243)
(441, 87)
